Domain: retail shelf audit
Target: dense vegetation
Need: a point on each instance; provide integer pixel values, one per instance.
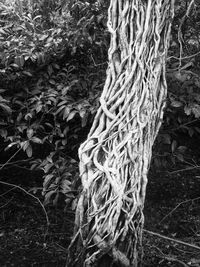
(53, 60)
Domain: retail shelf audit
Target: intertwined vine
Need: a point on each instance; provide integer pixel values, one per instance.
(115, 158)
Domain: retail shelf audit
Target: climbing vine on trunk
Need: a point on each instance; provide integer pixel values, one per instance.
(115, 158)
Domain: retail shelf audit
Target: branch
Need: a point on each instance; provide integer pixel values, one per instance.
(169, 257)
(3, 165)
(31, 195)
(186, 169)
(178, 205)
(172, 239)
(17, 162)
(174, 259)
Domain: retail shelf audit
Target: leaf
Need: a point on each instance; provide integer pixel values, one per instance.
(24, 145)
(60, 109)
(157, 163)
(180, 157)
(47, 180)
(197, 129)
(6, 108)
(3, 133)
(66, 112)
(39, 107)
(51, 81)
(47, 167)
(55, 200)
(2, 31)
(21, 59)
(196, 111)
(71, 115)
(181, 76)
(29, 26)
(65, 90)
(28, 116)
(187, 110)
(36, 140)
(190, 132)
(27, 73)
(74, 204)
(11, 145)
(173, 146)
(62, 103)
(48, 195)
(166, 139)
(64, 142)
(176, 104)
(182, 149)
(29, 151)
(30, 133)
(43, 37)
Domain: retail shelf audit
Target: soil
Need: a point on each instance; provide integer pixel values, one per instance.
(172, 210)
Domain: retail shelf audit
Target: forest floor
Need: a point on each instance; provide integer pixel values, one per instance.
(172, 210)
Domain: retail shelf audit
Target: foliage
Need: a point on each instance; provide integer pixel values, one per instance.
(183, 103)
(49, 87)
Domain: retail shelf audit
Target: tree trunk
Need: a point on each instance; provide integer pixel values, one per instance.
(115, 158)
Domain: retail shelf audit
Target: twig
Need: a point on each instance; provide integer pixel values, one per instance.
(17, 162)
(6, 203)
(169, 258)
(8, 166)
(3, 165)
(186, 169)
(100, 64)
(172, 239)
(182, 125)
(174, 259)
(177, 206)
(31, 195)
(5, 193)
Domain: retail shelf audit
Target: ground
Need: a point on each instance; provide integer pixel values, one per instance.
(172, 209)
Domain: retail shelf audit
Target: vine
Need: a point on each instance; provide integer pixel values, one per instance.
(115, 158)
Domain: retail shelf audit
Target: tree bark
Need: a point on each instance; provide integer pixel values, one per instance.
(115, 158)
